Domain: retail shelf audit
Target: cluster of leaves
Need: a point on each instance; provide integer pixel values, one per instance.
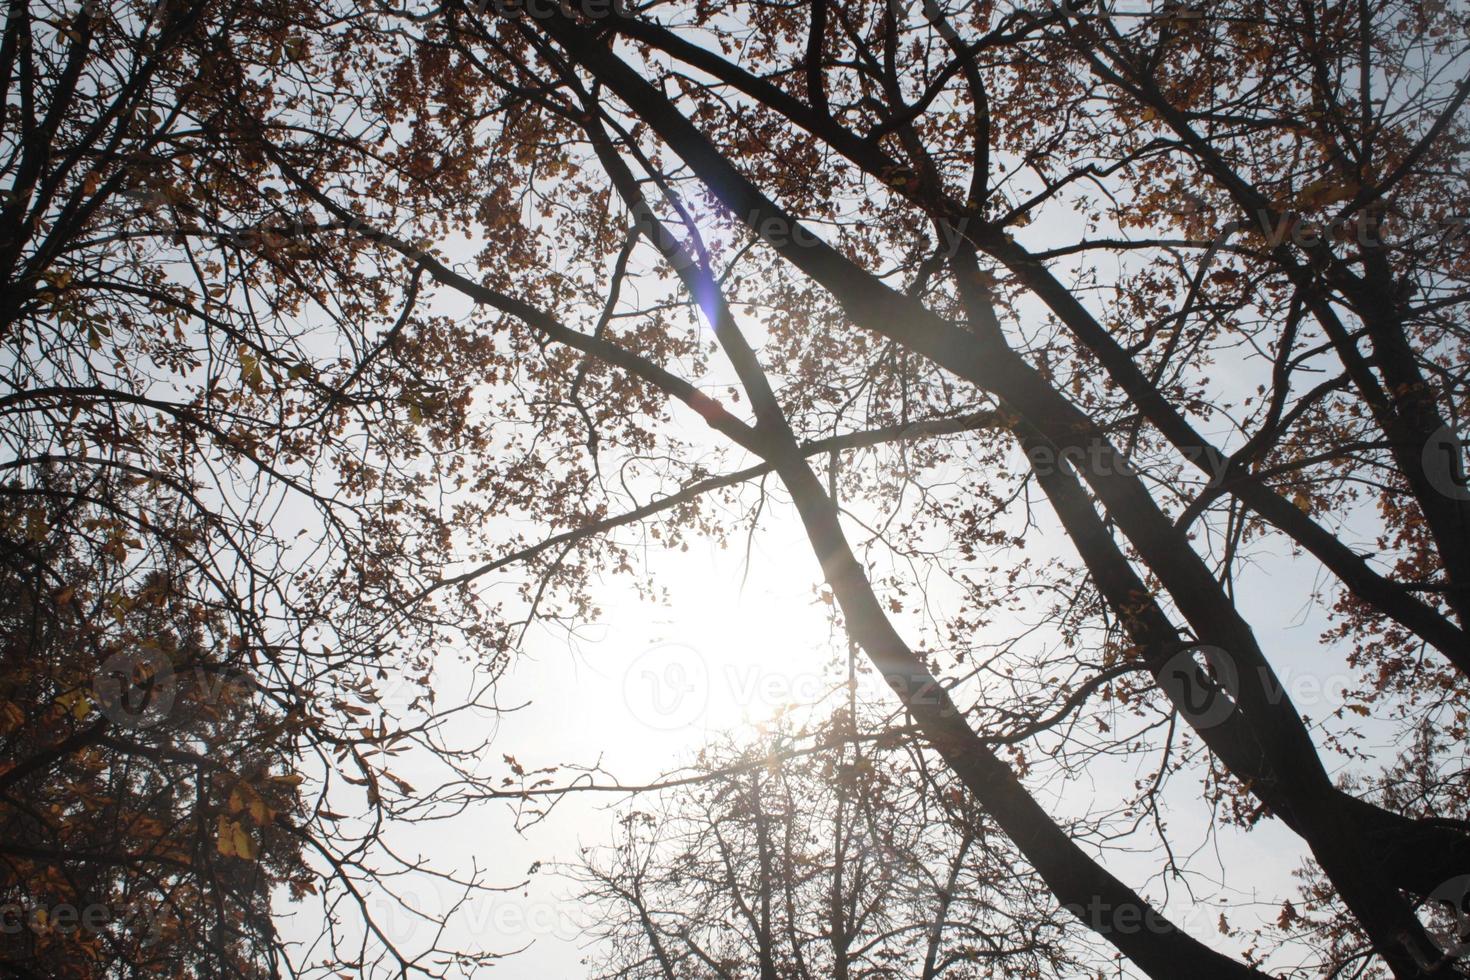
(227, 433)
(149, 802)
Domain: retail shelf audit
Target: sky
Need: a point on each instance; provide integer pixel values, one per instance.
(742, 634)
(640, 690)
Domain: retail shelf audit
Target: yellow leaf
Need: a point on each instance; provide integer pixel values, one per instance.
(244, 846)
(244, 797)
(76, 702)
(224, 839)
(250, 371)
(1321, 193)
(232, 840)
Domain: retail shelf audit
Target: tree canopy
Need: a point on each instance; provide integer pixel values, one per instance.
(348, 344)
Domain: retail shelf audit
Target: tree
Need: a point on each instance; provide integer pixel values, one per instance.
(150, 801)
(1201, 269)
(217, 450)
(853, 860)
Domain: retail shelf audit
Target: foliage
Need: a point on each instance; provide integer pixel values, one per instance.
(345, 343)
